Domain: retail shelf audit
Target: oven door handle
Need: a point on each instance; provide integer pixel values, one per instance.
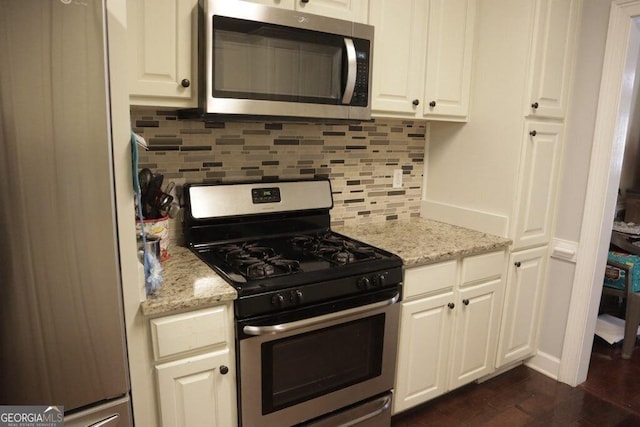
(385, 403)
(286, 327)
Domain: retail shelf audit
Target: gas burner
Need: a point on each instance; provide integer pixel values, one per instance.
(255, 261)
(274, 266)
(234, 253)
(334, 248)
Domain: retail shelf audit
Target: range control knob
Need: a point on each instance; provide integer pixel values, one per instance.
(277, 300)
(296, 296)
(364, 283)
(379, 281)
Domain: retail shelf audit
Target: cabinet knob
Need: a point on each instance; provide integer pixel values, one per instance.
(432, 104)
(416, 102)
(185, 83)
(465, 301)
(517, 264)
(533, 133)
(535, 105)
(224, 370)
(451, 305)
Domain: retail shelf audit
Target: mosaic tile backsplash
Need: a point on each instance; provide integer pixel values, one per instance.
(359, 159)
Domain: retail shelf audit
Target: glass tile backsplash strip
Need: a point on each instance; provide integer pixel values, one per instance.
(359, 158)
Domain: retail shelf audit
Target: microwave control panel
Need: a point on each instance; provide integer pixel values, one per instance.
(363, 56)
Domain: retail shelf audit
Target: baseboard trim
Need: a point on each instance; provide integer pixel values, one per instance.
(546, 364)
(485, 222)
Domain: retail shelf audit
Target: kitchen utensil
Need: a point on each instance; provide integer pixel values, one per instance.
(152, 245)
(169, 187)
(144, 178)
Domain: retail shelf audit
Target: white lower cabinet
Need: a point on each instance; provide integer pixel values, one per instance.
(196, 391)
(195, 369)
(449, 326)
(525, 283)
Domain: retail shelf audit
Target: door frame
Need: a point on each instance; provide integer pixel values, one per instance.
(612, 120)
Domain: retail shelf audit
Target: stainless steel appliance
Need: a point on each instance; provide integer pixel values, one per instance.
(261, 60)
(61, 325)
(317, 312)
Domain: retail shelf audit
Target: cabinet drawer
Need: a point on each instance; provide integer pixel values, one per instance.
(184, 332)
(482, 267)
(429, 278)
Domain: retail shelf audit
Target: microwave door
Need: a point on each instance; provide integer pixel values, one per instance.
(352, 68)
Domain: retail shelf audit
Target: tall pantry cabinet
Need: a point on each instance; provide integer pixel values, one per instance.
(505, 163)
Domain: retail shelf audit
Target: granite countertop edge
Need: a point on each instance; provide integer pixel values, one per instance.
(190, 284)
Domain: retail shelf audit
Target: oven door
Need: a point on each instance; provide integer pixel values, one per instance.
(298, 370)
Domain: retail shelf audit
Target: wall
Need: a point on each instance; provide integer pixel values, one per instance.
(359, 159)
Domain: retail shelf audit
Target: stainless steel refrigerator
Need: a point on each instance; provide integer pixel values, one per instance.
(62, 336)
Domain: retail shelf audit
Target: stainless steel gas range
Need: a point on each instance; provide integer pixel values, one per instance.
(317, 312)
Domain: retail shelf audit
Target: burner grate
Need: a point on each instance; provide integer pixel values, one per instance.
(334, 248)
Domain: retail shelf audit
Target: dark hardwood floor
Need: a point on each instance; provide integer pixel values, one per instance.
(524, 397)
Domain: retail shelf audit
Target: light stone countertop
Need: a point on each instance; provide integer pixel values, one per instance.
(190, 284)
(424, 241)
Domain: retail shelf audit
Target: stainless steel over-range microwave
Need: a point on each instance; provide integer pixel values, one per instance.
(265, 61)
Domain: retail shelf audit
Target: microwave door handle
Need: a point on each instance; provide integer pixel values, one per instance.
(352, 68)
(286, 327)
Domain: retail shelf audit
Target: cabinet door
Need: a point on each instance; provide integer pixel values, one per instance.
(552, 57)
(538, 179)
(477, 311)
(525, 281)
(161, 36)
(350, 10)
(196, 392)
(449, 52)
(423, 350)
(398, 56)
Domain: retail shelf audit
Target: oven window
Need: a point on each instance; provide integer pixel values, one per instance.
(253, 60)
(301, 367)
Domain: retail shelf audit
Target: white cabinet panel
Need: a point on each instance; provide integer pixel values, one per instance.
(196, 391)
(423, 350)
(476, 332)
(398, 55)
(162, 68)
(552, 59)
(525, 283)
(537, 184)
(448, 62)
(430, 278)
(349, 10)
(189, 331)
(284, 4)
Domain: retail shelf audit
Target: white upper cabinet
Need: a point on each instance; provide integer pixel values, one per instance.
(422, 58)
(448, 63)
(162, 57)
(350, 10)
(398, 56)
(537, 184)
(552, 57)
